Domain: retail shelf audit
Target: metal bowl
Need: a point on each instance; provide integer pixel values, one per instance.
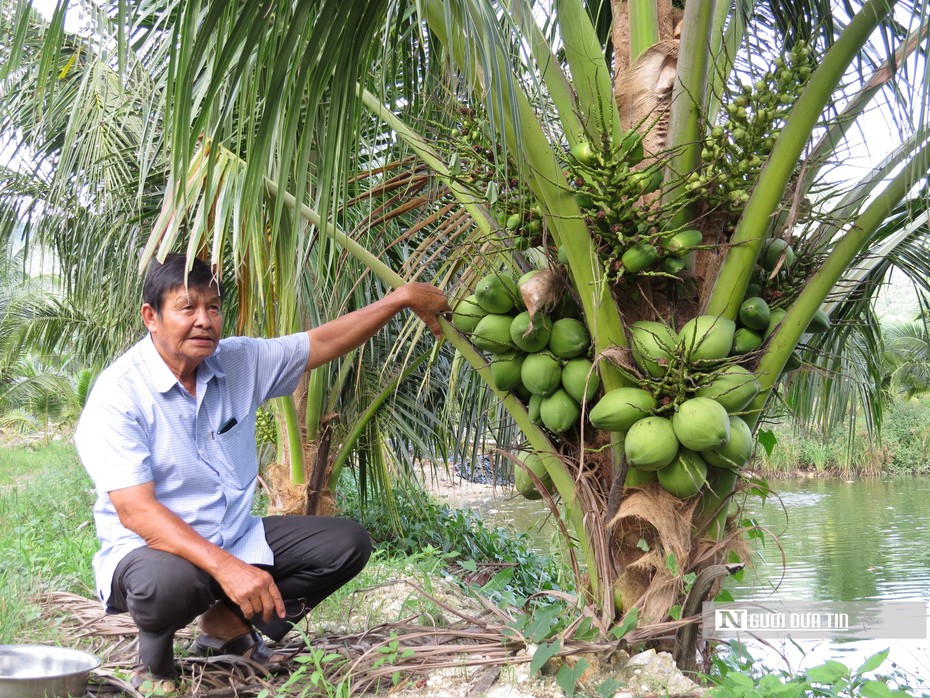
(40, 671)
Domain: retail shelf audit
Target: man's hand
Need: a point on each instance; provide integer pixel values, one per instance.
(427, 302)
(250, 588)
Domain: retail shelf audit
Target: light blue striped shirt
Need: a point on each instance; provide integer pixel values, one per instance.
(141, 425)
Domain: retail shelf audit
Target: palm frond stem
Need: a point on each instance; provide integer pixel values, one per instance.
(746, 242)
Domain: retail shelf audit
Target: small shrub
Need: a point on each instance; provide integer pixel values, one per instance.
(412, 522)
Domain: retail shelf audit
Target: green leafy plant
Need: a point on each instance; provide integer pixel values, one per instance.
(737, 674)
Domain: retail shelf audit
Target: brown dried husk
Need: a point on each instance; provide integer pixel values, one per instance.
(665, 523)
(542, 291)
(286, 497)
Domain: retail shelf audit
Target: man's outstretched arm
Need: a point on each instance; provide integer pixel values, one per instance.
(340, 336)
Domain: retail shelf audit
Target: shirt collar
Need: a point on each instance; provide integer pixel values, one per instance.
(162, 376)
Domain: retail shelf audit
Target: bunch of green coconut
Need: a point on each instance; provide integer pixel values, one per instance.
(542, 357)
(684, 416)
(757, 319)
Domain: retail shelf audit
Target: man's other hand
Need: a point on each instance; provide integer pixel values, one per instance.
(252, 589)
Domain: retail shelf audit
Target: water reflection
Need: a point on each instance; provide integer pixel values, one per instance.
(841, 541)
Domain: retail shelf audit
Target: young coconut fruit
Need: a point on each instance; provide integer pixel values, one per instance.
(819, 323)
(684, 241)
(707, 338)
(468, 314)
(685, 475)
(772, 251)
(579, 380)
(523, 482)
(737, 451)
(745, 341)
(569, 338)
(532, 408)
(776, 316)
(638, 478)
(496, 293)
(653, 345)
(734, 387)
(559, 412)
(541, 373)
(505, 370)
(701, 424)
(650, 443)
(621, 408)
(531, 333)
(492, 334)
(639, 257)
(754, 313)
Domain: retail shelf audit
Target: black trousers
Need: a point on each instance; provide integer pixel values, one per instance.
(313, 557)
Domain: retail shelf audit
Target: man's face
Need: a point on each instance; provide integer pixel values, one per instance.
(188, 328)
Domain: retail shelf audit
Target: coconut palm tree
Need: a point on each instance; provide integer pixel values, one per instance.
(667, 179)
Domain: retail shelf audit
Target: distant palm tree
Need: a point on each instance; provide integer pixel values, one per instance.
(906, 358)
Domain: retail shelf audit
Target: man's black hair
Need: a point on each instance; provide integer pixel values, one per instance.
(163, 277)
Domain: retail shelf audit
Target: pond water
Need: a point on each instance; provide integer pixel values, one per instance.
(850, 541)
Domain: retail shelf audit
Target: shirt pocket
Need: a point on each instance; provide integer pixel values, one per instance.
(238, 446)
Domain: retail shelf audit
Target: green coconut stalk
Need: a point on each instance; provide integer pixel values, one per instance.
(295, 446)
(644, 26)
(590, 75)
(685, 134)
(857, 106)
(557, 84)
(728, 291)
(824, 280)
(426, 152)
(726, 35)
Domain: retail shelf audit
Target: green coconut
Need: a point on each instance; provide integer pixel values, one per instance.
(771, 252)
(638, 478)
(685, 475)
(569, 338)
(745, 341)
(531, 333)
(492, 334)
(776, 317)
(701, 424)
(754, 313)
(541, 373)
(653, 345)
(734, 387)
(505, 370)
(738, 449)
(521, 479)
(497, 293)
(467, 314)
(532, 408)
(650, 443)
(559, 412)
(579, 380)
(526, 277)
(707, 337)
(819, 323)
(621, 408)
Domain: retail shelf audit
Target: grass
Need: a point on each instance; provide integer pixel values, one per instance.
(47, 537)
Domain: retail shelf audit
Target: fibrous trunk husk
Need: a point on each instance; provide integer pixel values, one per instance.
(651, 518)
